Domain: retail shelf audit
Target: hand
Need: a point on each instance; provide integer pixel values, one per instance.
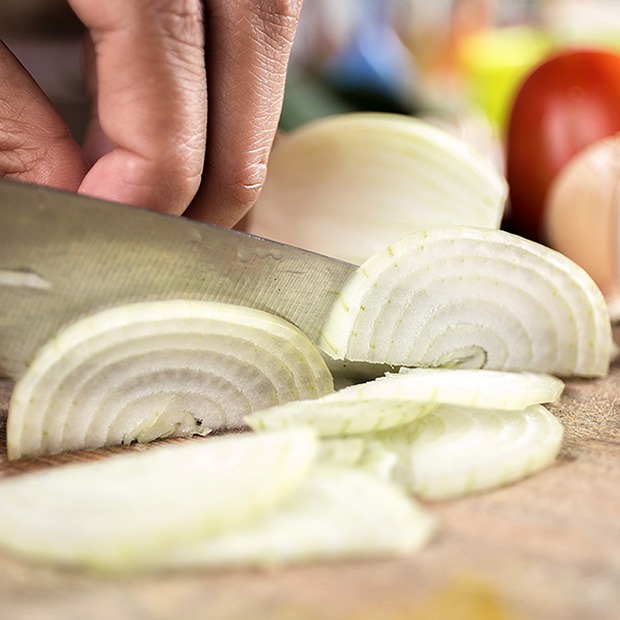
(187, 97)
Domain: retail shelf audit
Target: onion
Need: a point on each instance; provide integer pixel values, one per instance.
(356, 452)
(398, 399)
(129, 511)
(377, 176)
(490, 389)
(159, 369)
(334, 417)
(337, 513)
(455, 451)
(581, 215)
(470, 297)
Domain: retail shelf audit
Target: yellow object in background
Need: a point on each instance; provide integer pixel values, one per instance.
(494, 62)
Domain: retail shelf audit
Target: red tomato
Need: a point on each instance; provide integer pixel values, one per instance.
(569, 101)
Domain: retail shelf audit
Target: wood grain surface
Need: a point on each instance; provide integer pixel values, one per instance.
(547, 547)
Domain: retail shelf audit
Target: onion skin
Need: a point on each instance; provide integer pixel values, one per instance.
(568, 102)
(581, 212)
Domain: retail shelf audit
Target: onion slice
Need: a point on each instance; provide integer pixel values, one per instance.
(471, 297)
(358, 453)
(330, 417)
(127, 511)
(490, 389)
(159, 369)
(455, 451)
(397, 399)
(377, 176)
(337, 513)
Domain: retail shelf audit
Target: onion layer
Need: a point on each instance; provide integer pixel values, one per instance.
(128, 511)
(336, 417)
(398, 399)
(455, 451)
(469, 297)
(159, 369)
(377, 176)
(489, 389)
(337, 513)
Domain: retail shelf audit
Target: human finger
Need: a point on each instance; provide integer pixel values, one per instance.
(150, 100)
(248, 44)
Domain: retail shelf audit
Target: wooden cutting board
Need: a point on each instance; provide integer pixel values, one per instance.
(547, 547)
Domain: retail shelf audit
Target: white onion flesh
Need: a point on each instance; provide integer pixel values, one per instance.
(455, 451)
(337, 513)
(357, 452)
(471, 297)
(492, 389)
(398, 399)
(159, 369)
(128, 511)
(330, 417)
(377, 176)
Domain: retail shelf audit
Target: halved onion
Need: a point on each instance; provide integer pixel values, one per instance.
(471, 297)
(377, 176)
(129, 511)
(455, 451)
(159, 369)
(337, 513)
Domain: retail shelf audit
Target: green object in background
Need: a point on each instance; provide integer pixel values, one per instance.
(495, 62)
(307, 98)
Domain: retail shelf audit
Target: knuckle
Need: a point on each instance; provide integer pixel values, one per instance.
(246, 186)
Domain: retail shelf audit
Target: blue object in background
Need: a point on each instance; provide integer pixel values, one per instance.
(373, 60)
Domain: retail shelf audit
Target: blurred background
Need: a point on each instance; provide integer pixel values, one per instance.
(457, 61)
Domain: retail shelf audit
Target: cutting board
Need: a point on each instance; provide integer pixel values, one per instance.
(547, 547)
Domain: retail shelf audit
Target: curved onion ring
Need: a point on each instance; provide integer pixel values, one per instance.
(159, 369)
(470, 297)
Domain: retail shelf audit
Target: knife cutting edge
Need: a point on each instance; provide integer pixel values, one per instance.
(64, 255)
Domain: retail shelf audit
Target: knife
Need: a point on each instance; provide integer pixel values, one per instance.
(64, 256)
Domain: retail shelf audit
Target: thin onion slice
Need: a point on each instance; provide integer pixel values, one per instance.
(330, 417)
(159, 369)
(125, 512)
(338, 513)
(455, 451)
(470, 297)
(377, 176)
(358, 453)
(491, 389)
(400, 398)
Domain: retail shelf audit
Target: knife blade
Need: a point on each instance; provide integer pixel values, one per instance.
(64, 256)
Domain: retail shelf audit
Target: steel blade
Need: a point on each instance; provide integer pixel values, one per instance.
(63, 256)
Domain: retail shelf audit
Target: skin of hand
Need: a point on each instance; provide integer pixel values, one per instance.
(187, 97)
